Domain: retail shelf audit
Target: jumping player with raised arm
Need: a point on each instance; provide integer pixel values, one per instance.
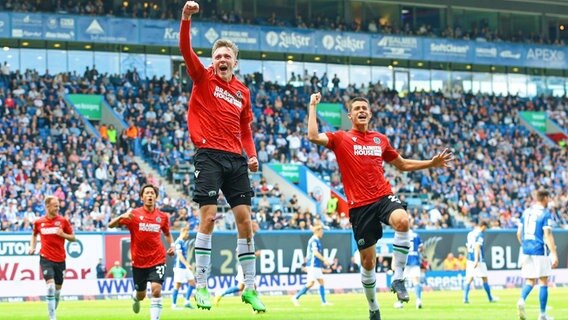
(219, 119)
(360, 155)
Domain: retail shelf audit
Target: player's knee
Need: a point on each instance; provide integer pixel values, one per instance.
(399, 221)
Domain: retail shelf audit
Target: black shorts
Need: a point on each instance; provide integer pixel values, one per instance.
(214, 170)
(367, 220)
(142, 276)
(52, 270)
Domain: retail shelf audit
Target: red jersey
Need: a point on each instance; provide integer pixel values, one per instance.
(220, 112)
(146, 245)
(360, 157)
(52, 245)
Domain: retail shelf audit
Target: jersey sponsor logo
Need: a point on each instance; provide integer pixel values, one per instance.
(51, 230)
(374, 151)
(149, 227)
(227, 96)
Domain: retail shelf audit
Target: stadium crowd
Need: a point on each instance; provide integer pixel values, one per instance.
(46, 149)
(167, 10)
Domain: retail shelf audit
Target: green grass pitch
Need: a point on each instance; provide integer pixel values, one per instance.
(437, 306)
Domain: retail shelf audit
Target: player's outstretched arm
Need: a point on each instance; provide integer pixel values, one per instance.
(195, 68)
(441, 160)
(313, 131)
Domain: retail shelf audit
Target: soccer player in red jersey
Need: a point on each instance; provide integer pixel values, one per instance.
(53, 230)
(148, 254)
(219, 118)
(360, 154)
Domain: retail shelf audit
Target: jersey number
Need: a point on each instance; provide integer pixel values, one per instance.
(160, 270)
(393, 198)
(530, 226)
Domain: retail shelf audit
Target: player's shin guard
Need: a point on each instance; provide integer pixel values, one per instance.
(155, 308)
(301, 292)
(467, 285)
(51, 300)
(527, 288)
(322, 294)
(247, 259)
(369, 280)
(202, 258)
(488, 291)
(418, 291)
(57, 296)
(543, 297)
(401, 246)
(175, 296)
(230, 290)
(188, 293)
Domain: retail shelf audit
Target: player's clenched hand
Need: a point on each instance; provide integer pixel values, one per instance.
(554, 260)
(253, 164)
(60, 232)
(171, 250)
(31, 252)
(443, 159)
(190, 8)
(315, 99)
(128, 214)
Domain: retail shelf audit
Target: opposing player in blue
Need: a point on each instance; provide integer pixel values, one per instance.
(182, 267)
(315, 261)
(475, 266)
(412, 270)
(539, 250)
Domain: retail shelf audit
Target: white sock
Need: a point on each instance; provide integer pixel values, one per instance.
(51, 300)
(401, 246)
(202, 258)
(155, 308)
(369, 280)
(57, 295)
(247, 259)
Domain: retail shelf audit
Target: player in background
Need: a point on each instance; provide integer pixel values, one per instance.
(240, 277)
(413, 270)
(539, 250)
(315, 261)
(53, 230)
(475, 266)
(360, 155)
(219, 118)
(182, 268)
(146, 224)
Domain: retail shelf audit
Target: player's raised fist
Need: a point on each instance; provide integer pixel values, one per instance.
(315, 99)
(190, 8)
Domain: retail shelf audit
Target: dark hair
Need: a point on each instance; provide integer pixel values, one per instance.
(484, 224)
(148, 186)
(357, 99)
(541, 194)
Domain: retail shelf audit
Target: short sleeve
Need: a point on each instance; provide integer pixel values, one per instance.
(389, 154)
(333, 139)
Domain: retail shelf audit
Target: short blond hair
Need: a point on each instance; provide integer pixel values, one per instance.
(226, 43)
(48, 200)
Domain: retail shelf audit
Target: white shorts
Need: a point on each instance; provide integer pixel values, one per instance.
(182, 275)
(536, 266)
(479, 272)
(412, 272)
(314, 273)
(240, 274)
